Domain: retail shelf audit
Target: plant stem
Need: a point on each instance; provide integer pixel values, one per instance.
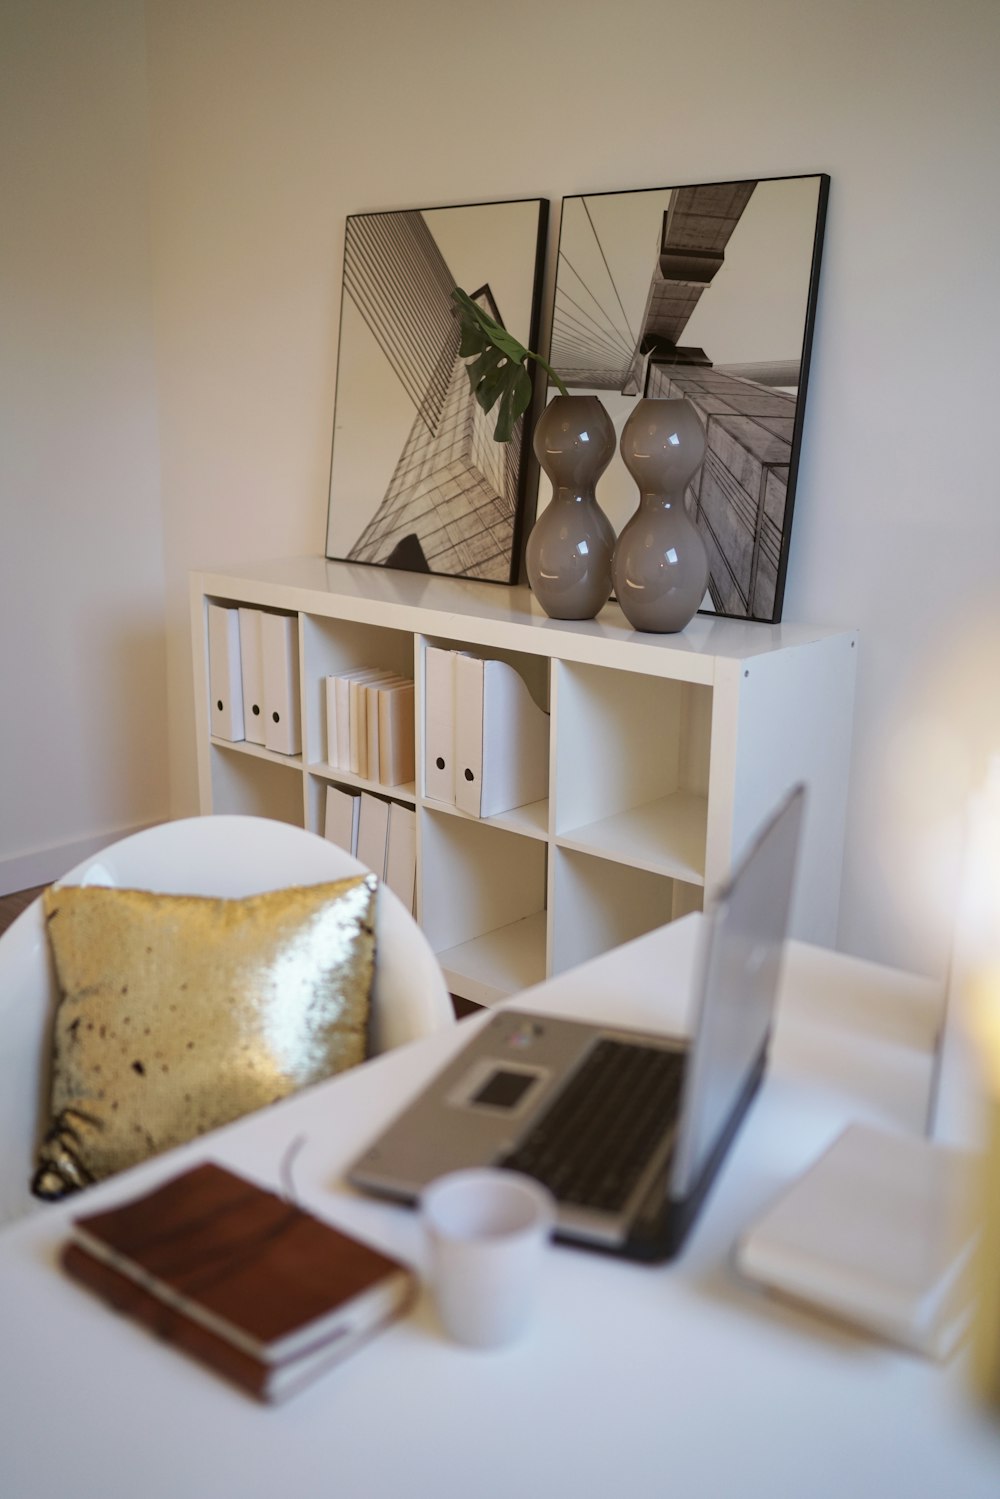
(549, 370)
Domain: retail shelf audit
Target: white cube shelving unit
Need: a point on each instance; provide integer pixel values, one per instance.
(666, 752)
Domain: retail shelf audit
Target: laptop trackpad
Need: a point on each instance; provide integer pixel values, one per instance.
(499, 1087)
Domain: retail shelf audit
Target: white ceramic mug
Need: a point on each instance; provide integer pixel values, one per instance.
(487, 1231)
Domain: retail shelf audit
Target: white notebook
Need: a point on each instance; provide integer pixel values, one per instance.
(880, 1233)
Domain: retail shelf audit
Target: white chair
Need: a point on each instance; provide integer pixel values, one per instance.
(223, 856)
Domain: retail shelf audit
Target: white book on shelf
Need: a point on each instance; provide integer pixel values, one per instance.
(330, 713)
(373, 833)
(359, 719)
(501, 739)
(252, 671)
(343, 809)
(282, 709)
(370, 692)
(396, 733)
(401, 853)
(439, 724)
(224, 672)
(342, 710)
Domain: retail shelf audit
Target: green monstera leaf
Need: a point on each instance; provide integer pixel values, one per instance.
(498, 370)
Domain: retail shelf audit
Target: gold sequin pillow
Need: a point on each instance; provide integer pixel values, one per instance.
(179, 1013)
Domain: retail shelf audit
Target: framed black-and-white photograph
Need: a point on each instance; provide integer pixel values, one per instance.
(707, 292)
(417, 480)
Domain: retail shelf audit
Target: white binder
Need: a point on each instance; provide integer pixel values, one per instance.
(501, 739)
(373, 833)
(282, 710)
(252, 668)
(439, 724)
(343, 809)
(224, 676)
(401, 855)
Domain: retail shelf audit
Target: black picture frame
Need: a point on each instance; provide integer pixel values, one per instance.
(736, 263)
(416, 479)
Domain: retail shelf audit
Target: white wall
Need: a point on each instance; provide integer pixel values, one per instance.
(271, 122)
(82, 658)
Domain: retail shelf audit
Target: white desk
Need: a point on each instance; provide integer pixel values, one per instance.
(673, 1380)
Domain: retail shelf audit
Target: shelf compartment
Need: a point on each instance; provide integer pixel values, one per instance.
(481, 902)
(500, 963)
(631, 767)
(531, 818)
(247, 779)
(332, 646)
(598, 904)
(664, 837)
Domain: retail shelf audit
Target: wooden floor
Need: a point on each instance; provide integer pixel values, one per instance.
(13, 905)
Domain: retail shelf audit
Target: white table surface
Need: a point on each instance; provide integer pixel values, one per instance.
(677, 1379)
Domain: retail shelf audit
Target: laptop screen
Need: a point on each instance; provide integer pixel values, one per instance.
(741, 968)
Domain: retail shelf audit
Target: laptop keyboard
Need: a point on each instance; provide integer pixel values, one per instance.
(592, 1145)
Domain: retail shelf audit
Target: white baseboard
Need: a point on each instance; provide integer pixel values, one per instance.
(43, 865)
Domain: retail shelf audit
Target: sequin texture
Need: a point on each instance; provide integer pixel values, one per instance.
(180, 1013)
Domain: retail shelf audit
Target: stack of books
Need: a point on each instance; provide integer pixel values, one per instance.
(370, 726)
(880, 1233)
(264, 1292)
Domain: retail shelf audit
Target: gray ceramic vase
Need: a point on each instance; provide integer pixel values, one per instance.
(568, 557)
(661, 566)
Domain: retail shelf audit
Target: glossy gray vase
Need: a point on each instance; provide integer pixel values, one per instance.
(568, 557)
(661, 566)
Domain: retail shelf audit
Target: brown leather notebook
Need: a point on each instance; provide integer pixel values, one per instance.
(263, 1291)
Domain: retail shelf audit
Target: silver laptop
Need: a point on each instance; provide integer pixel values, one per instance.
(626, 1129)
